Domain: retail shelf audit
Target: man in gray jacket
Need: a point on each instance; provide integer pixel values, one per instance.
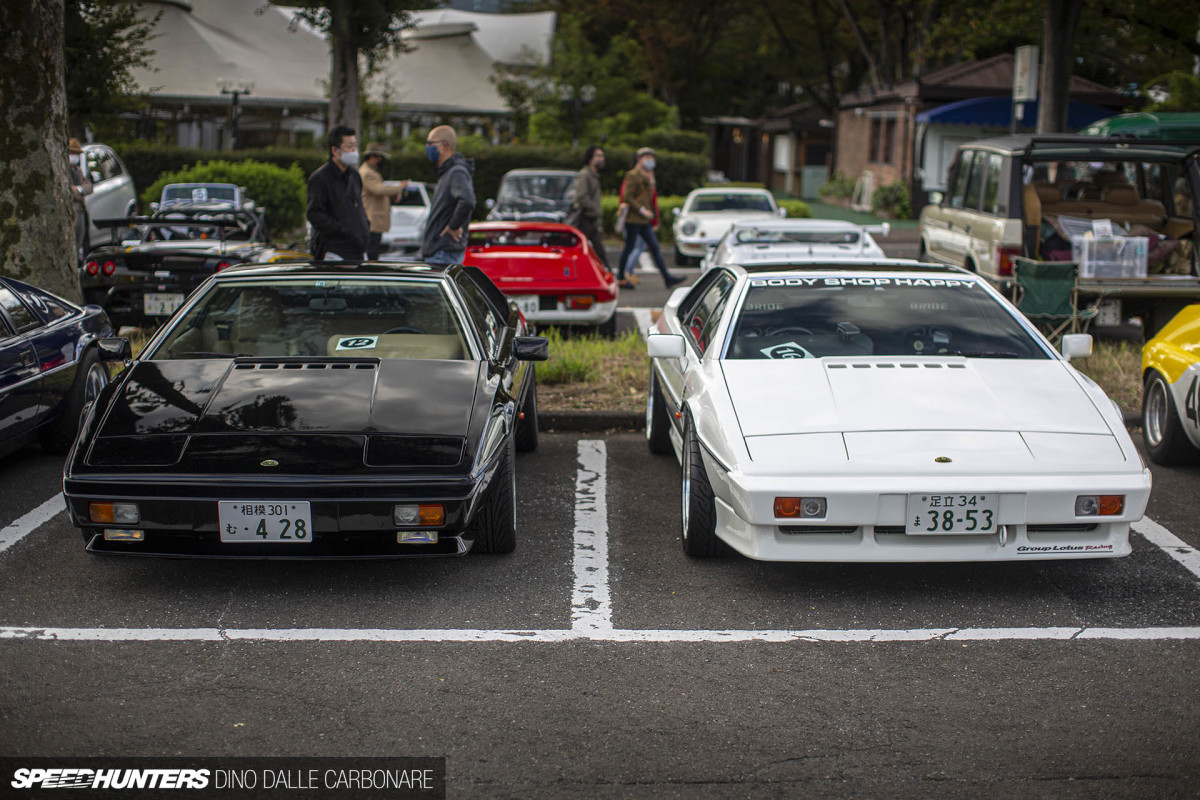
(445, 238)
(585, 209)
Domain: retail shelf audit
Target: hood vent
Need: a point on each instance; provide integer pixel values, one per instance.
(900, 365)
(306, 365)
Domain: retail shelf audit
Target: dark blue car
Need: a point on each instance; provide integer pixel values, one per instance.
(50, 369)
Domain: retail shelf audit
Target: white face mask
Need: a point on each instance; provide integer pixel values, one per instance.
(74, 160)
(350, 159)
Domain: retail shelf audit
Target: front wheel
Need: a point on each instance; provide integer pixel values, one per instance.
(91, 376)
(494, 528)
(1162, 431)
(699, 508)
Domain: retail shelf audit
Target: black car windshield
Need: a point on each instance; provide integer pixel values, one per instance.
(733, 201)
(318, 317)
(816, 317)
(545, 190)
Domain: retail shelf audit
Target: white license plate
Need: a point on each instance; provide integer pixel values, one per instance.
(528, 303)
(287, 521)
(1108, 313)
(935, 514)
(161, 304)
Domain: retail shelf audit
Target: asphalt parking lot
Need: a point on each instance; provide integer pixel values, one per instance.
(599, 661)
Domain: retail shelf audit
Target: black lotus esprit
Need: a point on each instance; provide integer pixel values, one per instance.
(314, 410)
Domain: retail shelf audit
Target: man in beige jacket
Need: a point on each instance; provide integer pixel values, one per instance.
(377, 196)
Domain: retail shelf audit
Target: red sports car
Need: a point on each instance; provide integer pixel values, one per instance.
(549, 269)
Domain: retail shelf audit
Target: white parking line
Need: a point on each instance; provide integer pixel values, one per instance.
(1170, 544)
(25, 525)
(591, 605)
(591, 600)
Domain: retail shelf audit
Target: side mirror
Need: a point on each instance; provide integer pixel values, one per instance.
(490, 203)
(1077, 345)
(783, 212)
(154, 208)
(531, 348)
(664, 345)
(675, 212)
(115, 349)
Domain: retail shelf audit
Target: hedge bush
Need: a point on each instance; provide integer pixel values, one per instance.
(795, 208)
(677, 173)
(281, 191)
(840, 187)
(892, 199)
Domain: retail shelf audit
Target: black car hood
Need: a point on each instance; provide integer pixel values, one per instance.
(294, 396)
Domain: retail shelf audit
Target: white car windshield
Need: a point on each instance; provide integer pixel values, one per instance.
(318, 317)
(733, 201)
(816, 317)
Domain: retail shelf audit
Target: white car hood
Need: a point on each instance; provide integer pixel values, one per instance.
(894, 411)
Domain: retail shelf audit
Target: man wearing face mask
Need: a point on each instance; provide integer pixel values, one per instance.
(585, 209)
(335, 208)
(639, 223)
(445, 237)
(81, 187)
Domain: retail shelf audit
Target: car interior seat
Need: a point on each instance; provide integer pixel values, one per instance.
(258, 328)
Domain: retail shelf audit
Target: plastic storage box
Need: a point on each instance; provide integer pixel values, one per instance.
(1116, 257)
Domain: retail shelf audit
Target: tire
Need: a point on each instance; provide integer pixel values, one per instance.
(1166, 441)
(608, 328)
(699, 530)
(91, 376)
(494, 528)
(526, 435)
(658, 424)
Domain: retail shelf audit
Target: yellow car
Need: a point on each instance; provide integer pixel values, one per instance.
(1171, 400)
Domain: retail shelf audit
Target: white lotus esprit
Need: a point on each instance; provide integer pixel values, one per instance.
(781, 240)
(706, 215)
(883, 411)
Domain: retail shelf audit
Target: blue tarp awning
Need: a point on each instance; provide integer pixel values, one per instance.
(996, 112)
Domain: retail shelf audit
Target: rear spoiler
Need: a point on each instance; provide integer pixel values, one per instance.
(883, 228)
(158, 222)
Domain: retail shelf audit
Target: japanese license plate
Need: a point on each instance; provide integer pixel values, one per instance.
(932, 514)
(161, 304)
(288, 521)
(528, 303)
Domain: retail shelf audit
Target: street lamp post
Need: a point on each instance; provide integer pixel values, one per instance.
(241, 87)
(576, 96)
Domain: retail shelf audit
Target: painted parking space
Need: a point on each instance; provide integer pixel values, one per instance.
(599, 560)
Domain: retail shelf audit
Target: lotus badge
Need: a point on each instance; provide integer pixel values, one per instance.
(939, 459)
(270, 462)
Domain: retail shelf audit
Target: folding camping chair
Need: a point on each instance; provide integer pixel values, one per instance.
(1047, 292)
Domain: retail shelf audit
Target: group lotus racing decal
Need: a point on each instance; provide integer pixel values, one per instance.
(357, 343)
(786, 350)
(1064, 548)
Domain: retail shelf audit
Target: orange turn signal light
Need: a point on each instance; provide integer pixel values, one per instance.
(432, 515)
(101, 512)
(1111, 504)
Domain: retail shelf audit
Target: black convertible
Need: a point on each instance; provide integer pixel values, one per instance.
(314, 410)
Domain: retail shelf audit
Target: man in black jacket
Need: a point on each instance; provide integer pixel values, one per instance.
(445, 238)
(335, 207)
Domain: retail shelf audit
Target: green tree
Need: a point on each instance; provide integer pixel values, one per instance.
(371, 28)
(1181, 90)
(105, 41)
(37, 240)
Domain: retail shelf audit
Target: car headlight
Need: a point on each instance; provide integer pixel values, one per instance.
(688, 228)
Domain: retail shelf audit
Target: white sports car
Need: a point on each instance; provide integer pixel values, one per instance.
(779, 240)
(883, 410)
(707, 213)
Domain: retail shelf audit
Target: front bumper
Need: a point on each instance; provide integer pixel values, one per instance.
(348, 520)
(1035, 518)
(694, 248)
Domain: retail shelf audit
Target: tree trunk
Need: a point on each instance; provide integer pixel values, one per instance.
(37, 239)
(343, 89)
(1058, 40)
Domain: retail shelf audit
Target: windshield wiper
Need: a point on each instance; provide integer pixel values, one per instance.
(982, 353)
